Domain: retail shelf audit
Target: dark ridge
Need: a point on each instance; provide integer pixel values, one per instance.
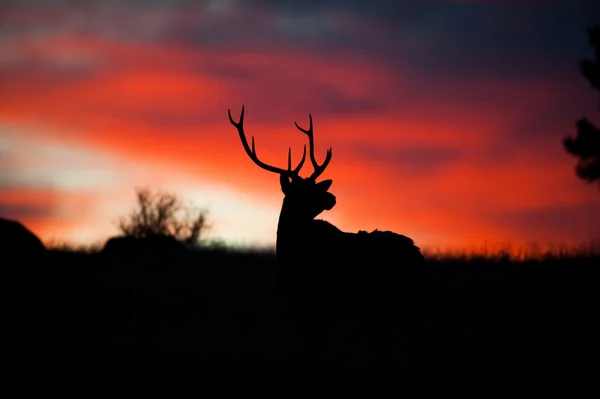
(221, 316)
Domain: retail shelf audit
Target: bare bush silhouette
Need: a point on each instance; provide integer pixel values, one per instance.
(332, 274)
(586, 144)
(163, 214)
(16, 239)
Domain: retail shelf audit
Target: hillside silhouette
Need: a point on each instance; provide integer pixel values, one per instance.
(222, 316)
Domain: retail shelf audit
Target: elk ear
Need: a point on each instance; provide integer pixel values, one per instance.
(285, 183)
(325, 184)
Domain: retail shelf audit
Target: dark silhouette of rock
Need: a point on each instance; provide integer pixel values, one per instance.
(331, 274)
(18, 240)
(149, 245)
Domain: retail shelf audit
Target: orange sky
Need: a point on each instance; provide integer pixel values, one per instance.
(97, 102)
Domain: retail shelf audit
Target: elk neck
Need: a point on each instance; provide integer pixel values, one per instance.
(292, 229)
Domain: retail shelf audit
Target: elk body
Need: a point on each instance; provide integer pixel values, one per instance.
(331, 274)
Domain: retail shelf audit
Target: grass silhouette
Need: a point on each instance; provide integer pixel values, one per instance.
(218, 315)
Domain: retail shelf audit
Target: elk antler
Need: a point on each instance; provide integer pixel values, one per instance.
(318, 168)
(252, 152)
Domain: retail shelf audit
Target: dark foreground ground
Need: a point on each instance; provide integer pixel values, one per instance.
(222, 317)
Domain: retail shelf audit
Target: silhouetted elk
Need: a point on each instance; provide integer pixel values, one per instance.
(149, 245)
(18, 240)
(330, 273)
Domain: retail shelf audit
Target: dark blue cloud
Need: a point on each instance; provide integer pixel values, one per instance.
(418, 160)
(45, 73)
(582, 218)
(22, 211)
(441, 40)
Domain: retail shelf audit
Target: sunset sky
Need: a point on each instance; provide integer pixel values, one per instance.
(446, 118)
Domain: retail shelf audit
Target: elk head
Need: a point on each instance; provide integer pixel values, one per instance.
(304, 196)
